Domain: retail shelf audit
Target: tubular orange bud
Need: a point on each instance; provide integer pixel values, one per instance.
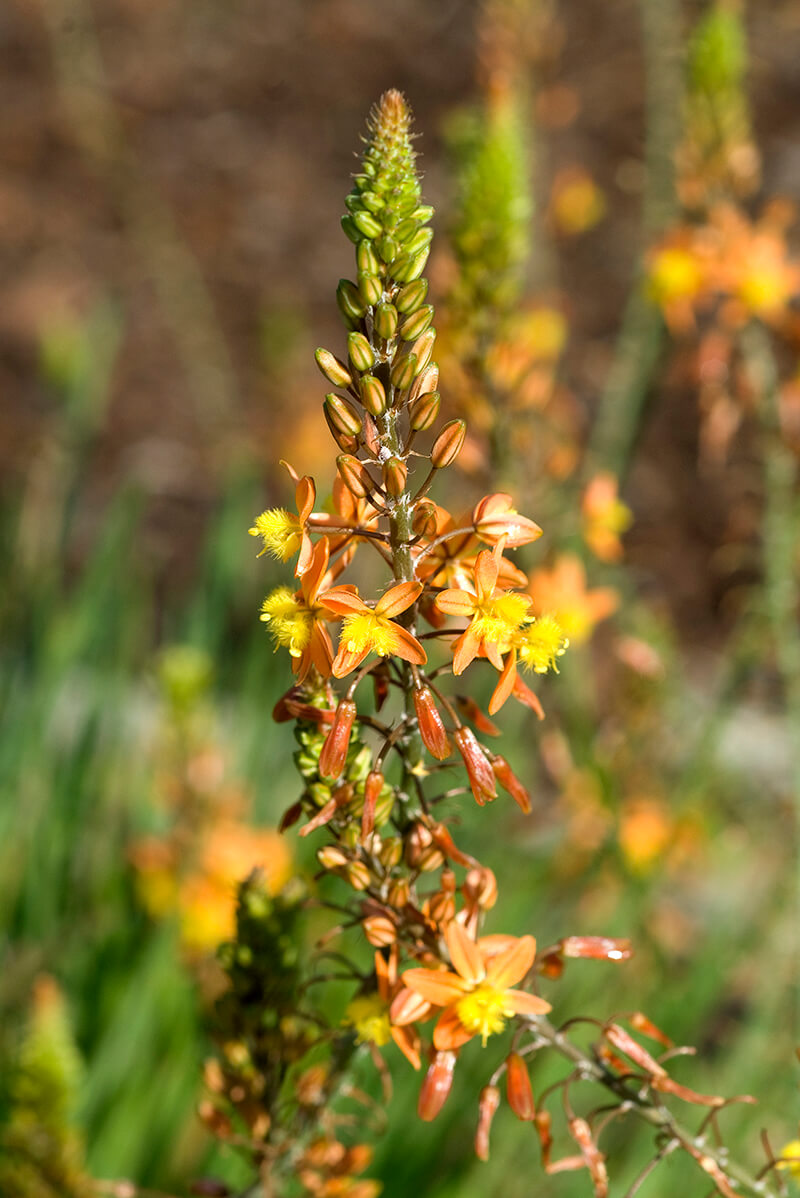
(337, 742)
(350, 302)
(436, 1086)
(342, 416)
(360, 351)
(431, 725)
(511, 783)
(354, 475)
(372, 789)
(403, 371)
(518, 1088)
(415, 325)
(423, 348)
(409, 298)
(599, 948)
(424, 412)
(399, 894)
(427, 380)
(395, 473)
(488, 1103)
(373, 395)
(366, 259)
(447, 445)
(385, 320)
(370, 288)
(479, 771)
(335, 371)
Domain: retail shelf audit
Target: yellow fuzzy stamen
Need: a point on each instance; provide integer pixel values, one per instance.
(368, 1015)
(496, 620)
(541, 643)
(280, 531)
(289, 621)
(484, 1012)
(368, 631)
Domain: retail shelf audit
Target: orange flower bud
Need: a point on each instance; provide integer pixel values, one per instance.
(436, 1086)
(479, 771)
(360, 352)
(511, 783)
(379, 931)
(403, 371)
(447, 445)
(421, 850)
(391, 852)
(442, 908)
(335, 371)
(518, 1088)
(415, 325)
(480, 886)
(423, 348)
(424, 412)
(358, 875)
(355, 476)
(599, 948)
(372, 788)
(488, 1103)
(342, 416)
(337, 742)
(431, 726)
(395, 473)
(373, 395)
(399, 894)
(330, 857)
(427, 380)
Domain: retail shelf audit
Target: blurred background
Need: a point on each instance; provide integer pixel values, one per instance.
(616, 294)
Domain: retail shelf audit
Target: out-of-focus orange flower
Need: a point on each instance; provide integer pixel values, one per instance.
(562, 591)
(605, 517)
(645, 832)
(477, 995)
(368, 630)
(369, 1015)
(327, 1169)
(754, 267)
(677, 278)
(576, 203)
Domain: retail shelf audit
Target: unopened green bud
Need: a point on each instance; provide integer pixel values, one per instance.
(373, 395)
(350, 302)
(367, 225)
(423, 348)
(360, 351)
(413, 326)
(335, 371)
(424, 411)
(408, 267)
(372, 202)
(409, 297)
(342, 415)
(386, 320)
(395, 473)
(403, 371)
(424, 213)
(370, 288)
(448, 444)
(406, 229)
(420, 241)
(389, 248)
(350, 229)
(367, 260)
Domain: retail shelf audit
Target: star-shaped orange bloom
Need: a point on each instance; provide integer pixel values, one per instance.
(284, 534)
(494, 614)
(372, 629)
(477, 995)
(296, 621)
(561, 591)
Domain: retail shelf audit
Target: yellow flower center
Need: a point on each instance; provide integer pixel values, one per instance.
(791, 1153)
(541, 643)
(764, 288)
(674, 274)
(365, 630)
(496, 620)
(368, 1015)
(280, 531)
(484, 1011)
(289, 621)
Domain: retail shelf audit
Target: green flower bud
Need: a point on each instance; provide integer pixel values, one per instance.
(360, 351)
(413, 326)
(403, 371)
(350, 303)
(367, 225)
(373, 395)
(420, 241)
(385, 320)
(405, 230)
(389, 248)
(409, 297)
(366, 259)
(350, 229)
(370, 288)
(335, 371)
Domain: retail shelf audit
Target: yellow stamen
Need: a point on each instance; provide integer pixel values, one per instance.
(368, 631)
(280, 531)
(496, 620)
(290, 622)
(541, 643)
(484, 1012)
(369, 1016)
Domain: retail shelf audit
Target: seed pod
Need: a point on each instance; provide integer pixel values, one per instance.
(479, 771)
(488, 1103)
(448, 444)
(373, 395)
(335, 371)
(367, 260)
(342, 415)
(360, 351)
(409, 297)
(385, 320)
(511, 783)
(389, 248)
(355, 476)
(413, 326)
(427, 380)
(370, 288)
(431, 725)
(518, 1088)
(349, 300)
(372, 789)
(424, 412)
(337, 742)
(350, 229)
(436, 1086)
(366, 224)
(395, 473)
(423, 348)
(403, 371)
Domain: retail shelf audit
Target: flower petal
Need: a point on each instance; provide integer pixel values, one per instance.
(486, 570)
(450, 1033)
(345, 661)
(464, 953)
(506, 684)
(510, 967)
(527, 1004)
(404, 645)
(407, 1040)
(398, 598)
(465, 650)
(408, 1006)
(455, 602)
(343, 600)
(439, 986)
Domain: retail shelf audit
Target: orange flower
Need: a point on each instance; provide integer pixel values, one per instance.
(605, 517)
(494, 615)
(561, 591)
(296, 621)
(450, 563)
(494, 518)
(284, 534)
(477, 995)
(369, 1014)
(372, 630)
